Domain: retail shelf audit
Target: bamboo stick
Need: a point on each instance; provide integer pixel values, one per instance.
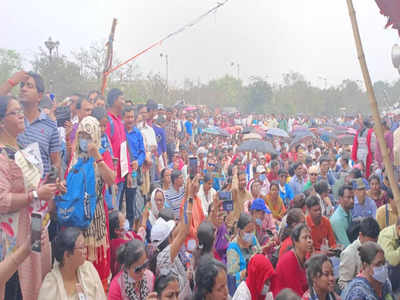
(374, 106)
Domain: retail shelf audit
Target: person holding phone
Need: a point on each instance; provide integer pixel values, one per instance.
(15, 206)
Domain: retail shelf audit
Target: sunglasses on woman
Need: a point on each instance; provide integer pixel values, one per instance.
(142, 267)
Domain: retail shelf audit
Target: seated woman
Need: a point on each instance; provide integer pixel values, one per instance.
(290, 271)
(295, 216)
(210, 280)
(165, 288)
(134, 281)
(265, 226)
(205, 238)
(260, 272)
(320, 278)
(240, 250)
(119, 235)
(373, 281)
(375, 191)
(274, 201)
(72, 277)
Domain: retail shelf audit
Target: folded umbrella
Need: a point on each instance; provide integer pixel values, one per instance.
(256, 145)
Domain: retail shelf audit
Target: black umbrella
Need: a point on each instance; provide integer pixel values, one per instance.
(346, 139)
(256, 145)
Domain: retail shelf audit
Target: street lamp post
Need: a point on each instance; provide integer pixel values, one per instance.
(237, 68)
(51, 45)
(166, 67)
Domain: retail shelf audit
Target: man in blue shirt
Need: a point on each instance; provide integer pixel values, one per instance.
(364, 206)
(137, 155)
(341, 218)
(189, 128)
(297, 182)
(285, 191)
(161, 139)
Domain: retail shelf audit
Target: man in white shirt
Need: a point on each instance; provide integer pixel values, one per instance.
(350, 262)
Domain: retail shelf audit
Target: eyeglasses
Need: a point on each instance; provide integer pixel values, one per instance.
(80, 248)
(28, 84)
(142, 267)
(15, 113)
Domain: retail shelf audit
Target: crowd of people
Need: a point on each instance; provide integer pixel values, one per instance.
(103, 198)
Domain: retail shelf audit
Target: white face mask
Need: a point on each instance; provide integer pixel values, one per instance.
(265, 289)
(191, 245)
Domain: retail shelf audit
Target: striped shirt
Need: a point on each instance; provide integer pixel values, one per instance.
(43, 131)
(173, 199)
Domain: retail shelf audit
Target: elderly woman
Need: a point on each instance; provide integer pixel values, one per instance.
(16, 203)
(72, 277)
(320, 278)
(373, 281)
(135, 281)
(97, 240)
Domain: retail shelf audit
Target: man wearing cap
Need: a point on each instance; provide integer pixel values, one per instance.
(364, 206)
(261, 176)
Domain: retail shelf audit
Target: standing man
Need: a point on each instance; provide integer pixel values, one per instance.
(341, 218)
(137, 156)
(38, 126)
(116, 132)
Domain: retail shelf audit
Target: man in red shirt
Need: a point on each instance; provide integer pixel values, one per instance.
(321, 229)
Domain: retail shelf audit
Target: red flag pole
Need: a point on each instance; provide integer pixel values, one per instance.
(374, 106)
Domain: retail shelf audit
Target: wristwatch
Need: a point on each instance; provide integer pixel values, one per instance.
(35, 195)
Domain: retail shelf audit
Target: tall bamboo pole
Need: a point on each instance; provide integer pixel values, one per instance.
(374, 106)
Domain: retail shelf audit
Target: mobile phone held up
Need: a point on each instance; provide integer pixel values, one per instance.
(226, 198)
(192, 167)
(63, 114)
(36, 231)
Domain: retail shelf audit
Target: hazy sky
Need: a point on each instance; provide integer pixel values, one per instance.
(265, 37)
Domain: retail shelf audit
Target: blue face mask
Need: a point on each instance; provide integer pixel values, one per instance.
(83, 145)
(248, 237)
(258, 222)
(262, 177)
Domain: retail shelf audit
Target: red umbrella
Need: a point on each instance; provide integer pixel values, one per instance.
(390, 9)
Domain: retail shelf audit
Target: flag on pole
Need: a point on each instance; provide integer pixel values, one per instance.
(390, 9)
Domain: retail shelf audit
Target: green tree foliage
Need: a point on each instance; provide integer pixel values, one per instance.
(294, 94)
(10, 62)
